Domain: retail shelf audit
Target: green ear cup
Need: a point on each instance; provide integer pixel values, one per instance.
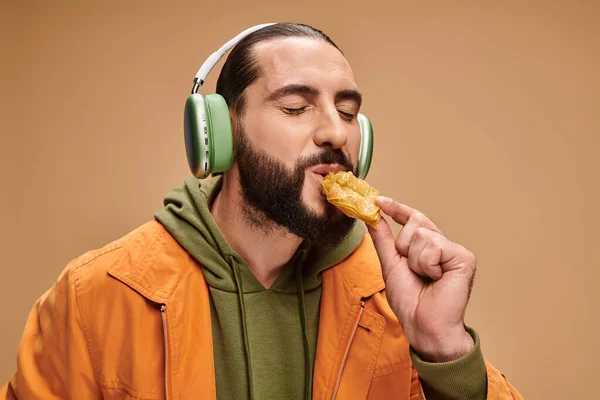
(196, 136)
(208, 136)
(365, 152)
(219, 128)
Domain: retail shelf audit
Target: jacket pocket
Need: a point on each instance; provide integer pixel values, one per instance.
(395, 384)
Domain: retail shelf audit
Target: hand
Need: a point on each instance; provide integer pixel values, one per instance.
(428, 282)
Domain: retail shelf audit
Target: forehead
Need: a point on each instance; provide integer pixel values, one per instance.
(302, 61)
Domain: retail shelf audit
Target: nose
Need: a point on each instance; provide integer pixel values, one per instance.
(332, 130)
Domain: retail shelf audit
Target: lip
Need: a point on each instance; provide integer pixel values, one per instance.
(318, 178)
(324, 169)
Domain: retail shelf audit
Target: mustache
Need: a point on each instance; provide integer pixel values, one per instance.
(325, 157)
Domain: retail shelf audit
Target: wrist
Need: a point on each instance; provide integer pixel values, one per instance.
(450, 347)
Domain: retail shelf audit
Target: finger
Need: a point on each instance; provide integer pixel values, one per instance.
(402, 214)
(429, 259)
(425, 252)
(440, 255)
(385, 245)
(399, 212)
(392, 263)
(414, 251)
(455, 257)
(417, 220)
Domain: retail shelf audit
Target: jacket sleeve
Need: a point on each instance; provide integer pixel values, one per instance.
(498, 386)
(53, 361)
(469, 377)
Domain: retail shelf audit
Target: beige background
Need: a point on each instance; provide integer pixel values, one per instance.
(486, 118)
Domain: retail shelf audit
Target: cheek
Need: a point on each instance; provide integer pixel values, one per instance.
(353, 145)
(277, 136)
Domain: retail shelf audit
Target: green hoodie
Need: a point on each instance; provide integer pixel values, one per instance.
(264, 339)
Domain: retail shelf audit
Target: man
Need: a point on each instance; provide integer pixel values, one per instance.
(251, 285)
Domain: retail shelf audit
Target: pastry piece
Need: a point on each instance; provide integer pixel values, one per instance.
(354, 196)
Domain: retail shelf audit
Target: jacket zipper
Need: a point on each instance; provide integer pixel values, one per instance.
(166, 345)
(339, 378)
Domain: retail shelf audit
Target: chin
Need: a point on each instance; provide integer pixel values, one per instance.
(323, 209)
(318, 207)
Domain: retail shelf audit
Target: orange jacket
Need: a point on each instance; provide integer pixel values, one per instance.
(132, 320)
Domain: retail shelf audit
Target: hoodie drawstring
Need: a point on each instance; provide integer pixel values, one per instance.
(240, 291)
(308, 370)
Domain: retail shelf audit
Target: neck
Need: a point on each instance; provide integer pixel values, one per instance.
(266, 250)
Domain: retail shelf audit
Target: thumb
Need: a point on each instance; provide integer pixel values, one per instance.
(385, 244)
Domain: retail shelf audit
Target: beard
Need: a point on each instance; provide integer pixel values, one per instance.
(272, 194)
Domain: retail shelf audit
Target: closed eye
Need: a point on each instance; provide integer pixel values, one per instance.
(346, 115)
(295, 110)
(300, 110)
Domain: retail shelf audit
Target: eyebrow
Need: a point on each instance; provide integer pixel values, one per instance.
(347, 94)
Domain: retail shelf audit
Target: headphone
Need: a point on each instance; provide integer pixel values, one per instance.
(207, 124)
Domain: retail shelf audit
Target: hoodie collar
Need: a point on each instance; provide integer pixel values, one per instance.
(187, 217)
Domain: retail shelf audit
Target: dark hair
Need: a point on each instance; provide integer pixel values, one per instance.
(241, 67)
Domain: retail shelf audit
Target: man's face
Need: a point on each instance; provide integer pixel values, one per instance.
(299, 122)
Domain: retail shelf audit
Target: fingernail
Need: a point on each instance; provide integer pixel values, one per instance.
(383, 200)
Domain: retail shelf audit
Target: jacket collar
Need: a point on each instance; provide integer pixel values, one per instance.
(362, 271)
(154, 264)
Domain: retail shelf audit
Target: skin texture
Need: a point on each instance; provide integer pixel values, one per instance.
(428, 277)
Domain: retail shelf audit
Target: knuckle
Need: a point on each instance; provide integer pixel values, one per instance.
(473, 260)
(401, 245)
(467, 253)
(470, 258)
(419, 216)
(422, 220)
(421, 232)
